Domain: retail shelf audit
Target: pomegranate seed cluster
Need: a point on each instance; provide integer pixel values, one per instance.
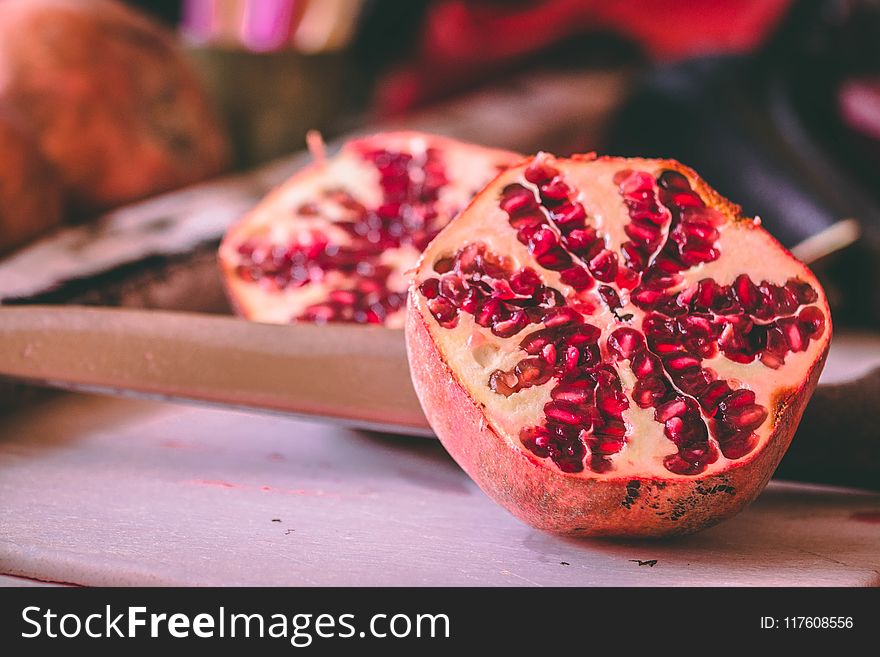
(407, 215)
(670, 231)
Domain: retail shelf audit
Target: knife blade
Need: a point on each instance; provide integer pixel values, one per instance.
(352, 375)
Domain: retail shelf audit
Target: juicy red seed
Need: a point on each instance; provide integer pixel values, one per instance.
(556, 259)
(542, 241)
(649, 391)
(713, 394)
(430, 288)
(451, 287)
(738, 399)
(813, 321)
(604, 266)
(677, 465)
(443, 310)
(578, 241)
(515, 198)
(674, 408)
(681, 361)
(562, 411)
(803, 292)
(539, 172)
(747, 418)
(555, 190)
(699, 454)
(673, 180)
(642, 231)
(577, 277)
(554, 317)
(525, 282)
(577, 392)
(569, 216)
(739, 446)
(644, 364)
(624, 342)
(613, 402)
(571, 358)
(794, 333)
(746, 292)
(512, 325)
(533, 372)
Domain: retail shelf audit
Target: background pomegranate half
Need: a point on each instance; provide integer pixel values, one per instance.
(338, 241)
(609, 348)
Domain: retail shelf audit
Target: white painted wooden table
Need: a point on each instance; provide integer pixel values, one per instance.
(100, 491)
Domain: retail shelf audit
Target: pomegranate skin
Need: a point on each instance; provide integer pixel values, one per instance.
(558, 502)
(631, 507)
(115, 106)
(30, 191)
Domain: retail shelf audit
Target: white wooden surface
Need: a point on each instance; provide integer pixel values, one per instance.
(101, 491)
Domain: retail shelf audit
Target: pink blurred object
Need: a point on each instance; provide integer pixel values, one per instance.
(859, 104)
(464, 42)
(271, 25)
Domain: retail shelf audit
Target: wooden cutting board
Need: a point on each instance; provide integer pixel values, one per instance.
(100, 491)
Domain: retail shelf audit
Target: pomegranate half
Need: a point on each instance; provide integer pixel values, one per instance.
(608, 347)
(338, 241)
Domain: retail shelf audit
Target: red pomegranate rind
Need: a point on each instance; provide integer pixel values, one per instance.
(680, 366)
(337, 242)
(109, 94)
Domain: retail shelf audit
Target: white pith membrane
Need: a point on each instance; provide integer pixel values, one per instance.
(473, 352)
(305, 209)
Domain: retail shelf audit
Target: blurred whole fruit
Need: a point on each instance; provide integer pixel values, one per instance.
(112, 99)
(30, 191)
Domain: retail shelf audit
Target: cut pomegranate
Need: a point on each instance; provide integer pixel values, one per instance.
(588, 328)
(336, 241)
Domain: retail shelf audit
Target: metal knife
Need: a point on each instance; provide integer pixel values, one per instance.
(353, 375)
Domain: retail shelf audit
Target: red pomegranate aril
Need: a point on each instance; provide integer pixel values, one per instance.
(674, 180)
(554, 317)
(740, 446)
(577, 277)
(604, 266)
(649, 391)
(580, 240)
(506, 328)
(803, 292)
(643, 364)
(539, 172)
(562, 411)
(813, 321)
(555, 259)
(688, 335)
(612, 402)
(555, 190)
(533, 372)
(444, 312)
(624, 342)
(576, 392)
(680, 361)
(569, 216)
(746, 418)
(673, 408)
(516, 198)
(525, 282)
(712, 396)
